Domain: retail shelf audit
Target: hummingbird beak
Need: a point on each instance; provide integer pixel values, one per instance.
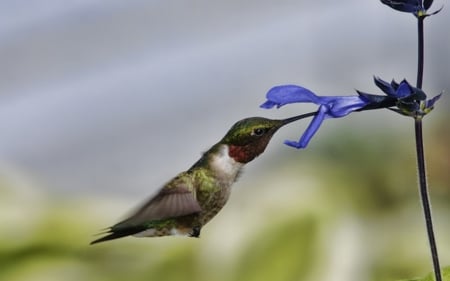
(298, 117)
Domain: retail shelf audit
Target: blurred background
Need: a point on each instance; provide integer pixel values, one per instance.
(102, 102)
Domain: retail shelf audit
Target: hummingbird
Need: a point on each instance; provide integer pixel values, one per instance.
(191, 199)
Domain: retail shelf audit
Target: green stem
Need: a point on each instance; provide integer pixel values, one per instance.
(423, 187)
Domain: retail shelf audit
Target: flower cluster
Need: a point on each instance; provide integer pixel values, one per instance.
(400, 97)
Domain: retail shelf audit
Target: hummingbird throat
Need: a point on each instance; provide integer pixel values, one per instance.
(243, 154)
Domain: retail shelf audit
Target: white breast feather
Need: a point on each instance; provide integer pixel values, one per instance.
(224, 164)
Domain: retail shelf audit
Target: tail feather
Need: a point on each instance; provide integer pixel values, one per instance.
(117, 233)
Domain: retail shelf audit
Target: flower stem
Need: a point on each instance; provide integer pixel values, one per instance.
(423, 187)
(420, 62)
(425, 198)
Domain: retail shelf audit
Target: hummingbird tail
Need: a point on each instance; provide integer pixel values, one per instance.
(114, 234)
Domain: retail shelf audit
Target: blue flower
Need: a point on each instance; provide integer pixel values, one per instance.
(400, 97)
(417, 7)
(329, 107)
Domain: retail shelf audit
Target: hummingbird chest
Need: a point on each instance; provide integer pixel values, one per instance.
(212, 202)
(214, 182)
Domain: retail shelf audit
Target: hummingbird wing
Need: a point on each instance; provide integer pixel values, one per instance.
(176, 199)
(168, 203)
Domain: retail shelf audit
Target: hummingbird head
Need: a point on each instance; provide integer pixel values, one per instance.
(249, 137)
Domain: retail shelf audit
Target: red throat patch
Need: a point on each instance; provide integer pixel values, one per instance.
(242, 154)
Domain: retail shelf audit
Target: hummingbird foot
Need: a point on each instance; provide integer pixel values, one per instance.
(195, 232)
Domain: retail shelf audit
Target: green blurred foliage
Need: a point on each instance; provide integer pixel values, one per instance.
(268, 259)
(430, 277)
(56, 248)
(350, 202)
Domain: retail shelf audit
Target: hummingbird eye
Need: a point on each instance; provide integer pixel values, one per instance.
(259, 131)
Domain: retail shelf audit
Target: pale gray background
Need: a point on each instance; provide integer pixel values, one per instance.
(115, 97)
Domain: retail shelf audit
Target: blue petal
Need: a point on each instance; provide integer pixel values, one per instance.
(409, 6)
(427, 4)
(404, 90)
(394, 84)
(372, 99)
(281, 95)
(268, 104)
(294, 144)
(311, 130)
(384, 86)
(430, 103)
(340, 106)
